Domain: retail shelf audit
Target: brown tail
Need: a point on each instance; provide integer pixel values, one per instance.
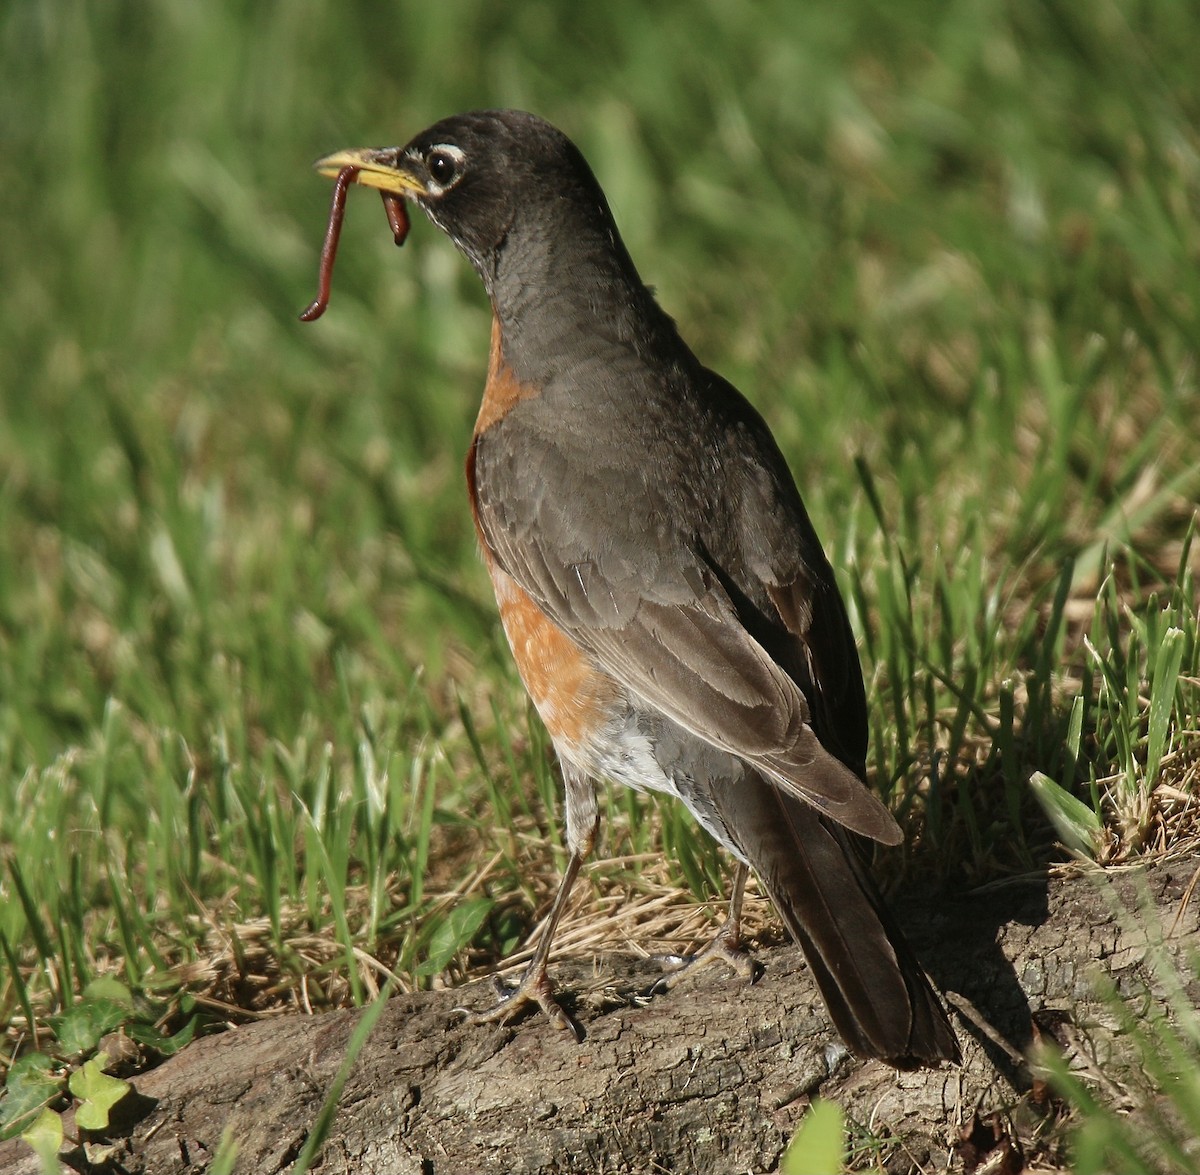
(872, 984)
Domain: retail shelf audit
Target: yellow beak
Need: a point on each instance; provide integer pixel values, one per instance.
(377, 168)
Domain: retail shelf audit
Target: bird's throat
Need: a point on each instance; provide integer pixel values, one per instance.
(562, 302)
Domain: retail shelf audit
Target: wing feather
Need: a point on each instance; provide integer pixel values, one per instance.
(723, 652)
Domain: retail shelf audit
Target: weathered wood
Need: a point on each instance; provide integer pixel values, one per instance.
(713, 1076)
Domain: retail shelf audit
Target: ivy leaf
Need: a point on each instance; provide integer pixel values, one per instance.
(80, 1028)
(33, 1083)
(97, 1093)
(46, 1137)
(453, 933)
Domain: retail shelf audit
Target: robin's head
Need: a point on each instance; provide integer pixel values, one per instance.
(493, 181)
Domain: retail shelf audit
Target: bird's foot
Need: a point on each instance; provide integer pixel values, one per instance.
(534, 989)
(725, 947)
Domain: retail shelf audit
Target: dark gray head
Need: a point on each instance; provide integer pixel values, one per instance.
(494, 179)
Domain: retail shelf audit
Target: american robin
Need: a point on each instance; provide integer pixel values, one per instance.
(666, 599)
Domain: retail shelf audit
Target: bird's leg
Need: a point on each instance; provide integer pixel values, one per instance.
(535, 986)
(583, 819)
(725, 946)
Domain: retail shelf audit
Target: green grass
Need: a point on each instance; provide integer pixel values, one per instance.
(259, 735)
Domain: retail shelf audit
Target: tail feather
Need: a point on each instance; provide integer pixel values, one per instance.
(877, 995)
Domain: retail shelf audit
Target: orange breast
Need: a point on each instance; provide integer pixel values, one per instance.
(503, 390)
(573, 698)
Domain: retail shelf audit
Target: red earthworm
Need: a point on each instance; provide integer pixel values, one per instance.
(397, 214)
(337, 212)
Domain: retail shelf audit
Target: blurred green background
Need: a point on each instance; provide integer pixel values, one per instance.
(249, 665)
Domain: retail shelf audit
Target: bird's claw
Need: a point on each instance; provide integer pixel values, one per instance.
(724, 948)
(534, 988)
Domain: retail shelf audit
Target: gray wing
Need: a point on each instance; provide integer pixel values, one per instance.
(705, 593)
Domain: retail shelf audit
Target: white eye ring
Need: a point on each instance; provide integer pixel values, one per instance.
(444, 163)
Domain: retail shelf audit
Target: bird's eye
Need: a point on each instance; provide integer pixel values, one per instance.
(444, 165)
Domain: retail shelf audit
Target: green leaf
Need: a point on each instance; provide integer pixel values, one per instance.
(100, 1154)
(226, 1156)
(1074, 737)
(108, 988)
(1076, 824)
(33, 1082)
(46, 1137)
(454, 932)
(167, 1046)
(97, 1093)
(80, 1028)
(818, 1147)
(319, 1130)
(1167, 662)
